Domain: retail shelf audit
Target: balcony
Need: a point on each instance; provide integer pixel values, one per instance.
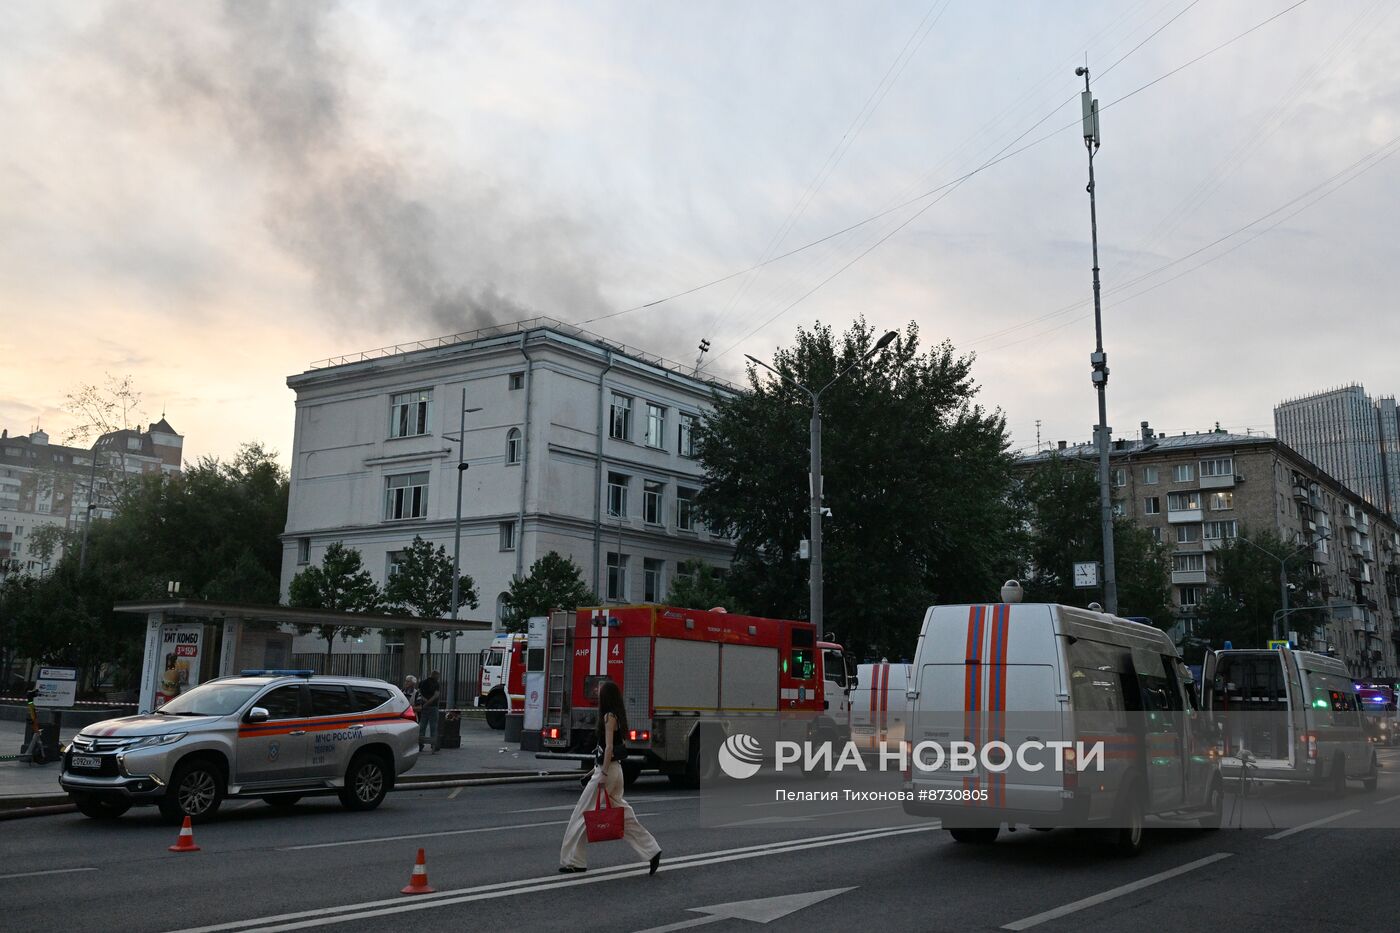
(1188, 576)
(1225, 481)
(1182, 516)
(1300, 493)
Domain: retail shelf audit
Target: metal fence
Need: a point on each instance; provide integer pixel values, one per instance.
(390, 667)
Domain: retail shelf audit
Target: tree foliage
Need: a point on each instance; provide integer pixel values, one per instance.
(421, 585)
(340, 584)
(1060, 502)
(698, 585)
(917, 478)
(1240, 607)
(554, 582)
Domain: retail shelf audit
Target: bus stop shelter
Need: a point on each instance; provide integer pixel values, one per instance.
(238, 622)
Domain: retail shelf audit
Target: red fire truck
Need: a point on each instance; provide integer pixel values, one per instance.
(501, 686)
(685, 673)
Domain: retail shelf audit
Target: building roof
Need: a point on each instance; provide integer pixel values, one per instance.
(1162, 443)
(162, 427)
(496, 332)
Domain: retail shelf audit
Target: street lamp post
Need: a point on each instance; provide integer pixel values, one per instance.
(1099, 360)
(457, 542)
(1283, 571)
(1281, 614)
(814, 563)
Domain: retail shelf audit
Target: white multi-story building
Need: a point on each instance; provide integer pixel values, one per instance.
(580, 446)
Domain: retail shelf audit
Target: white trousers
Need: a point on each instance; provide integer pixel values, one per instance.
(574, 852)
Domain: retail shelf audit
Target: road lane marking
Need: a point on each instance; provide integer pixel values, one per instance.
(1112, 893)
(433, 835)
(569, 806)
(1322, 822)
(759, 910)
(50, 871)
(367, 909)
(1386, 800)
(453, 795)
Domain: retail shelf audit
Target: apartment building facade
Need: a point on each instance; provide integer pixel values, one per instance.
(576, 445)
(1197, 492)
(1352, 437)
(45, 484)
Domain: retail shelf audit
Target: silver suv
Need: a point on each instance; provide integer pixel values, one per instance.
(278, 735)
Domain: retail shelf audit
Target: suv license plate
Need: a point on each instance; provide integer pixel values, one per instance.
(88, 762)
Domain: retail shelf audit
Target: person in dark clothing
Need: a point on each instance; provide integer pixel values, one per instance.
(429, 692)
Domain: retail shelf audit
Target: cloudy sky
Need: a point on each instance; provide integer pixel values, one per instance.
(210, 196)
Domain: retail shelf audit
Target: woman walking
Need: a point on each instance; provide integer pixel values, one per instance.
(612, 727)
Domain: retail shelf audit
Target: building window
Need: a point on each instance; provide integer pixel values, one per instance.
(517, 381)
(1188, 534)
(1183, 473)
(656, 426)
(1118, 510)
(620, 425)
(652, 571)
(1190, 595)
(1156, 532)
(408, 413)
(406, 496)
(507, 536)
(685, 445)
(1152, 505)
(1149, 476)
(1222, 501)
(685, 508)
(617, 494)
(1220, 531)
(1220, 466)
(513, 445)
(1120, 477)
(501, 608)
(1183, 501)
(652, 492)
(617, 577)
(1189, 563)
(303, 550)
(392, 562)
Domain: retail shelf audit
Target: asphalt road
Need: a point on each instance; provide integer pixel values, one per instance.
(1304, 863)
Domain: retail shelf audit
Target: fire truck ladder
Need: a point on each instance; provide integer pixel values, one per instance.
(556, 712)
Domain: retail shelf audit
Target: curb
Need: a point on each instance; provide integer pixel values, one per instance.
(18, 808)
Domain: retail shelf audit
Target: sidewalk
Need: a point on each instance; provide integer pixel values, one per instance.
(482, 752)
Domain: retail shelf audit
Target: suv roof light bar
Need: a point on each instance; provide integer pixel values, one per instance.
(275, 673)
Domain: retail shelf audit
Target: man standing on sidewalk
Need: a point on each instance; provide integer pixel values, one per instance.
(428, 694)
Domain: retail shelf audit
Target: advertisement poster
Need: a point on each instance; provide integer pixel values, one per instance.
(58, 686)
(181, 646)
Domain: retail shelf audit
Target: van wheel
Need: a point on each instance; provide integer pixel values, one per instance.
(1368, 783)
(982, 836)
(1337, 783)
(1129, 833)
(1215, 805)
(496, 710)
(195, 790)
(366, 782)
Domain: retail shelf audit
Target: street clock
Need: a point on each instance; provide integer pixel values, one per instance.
(1086, 574)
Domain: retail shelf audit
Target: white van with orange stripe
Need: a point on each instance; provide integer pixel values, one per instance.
(1035, 673)
(878, 704)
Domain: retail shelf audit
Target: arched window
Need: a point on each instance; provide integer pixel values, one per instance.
(513, 445)
(501, 610)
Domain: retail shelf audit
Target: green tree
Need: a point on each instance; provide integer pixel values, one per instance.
(1059, 498)
(421, 585)
(46, 541)
(554, 582)
(917, 478)
(1239, 607)
(698, 585)
(341, 584)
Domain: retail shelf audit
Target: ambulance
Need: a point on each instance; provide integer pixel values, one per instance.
(501, 686)
(878, 704)
(688, 674)
(1012, 678)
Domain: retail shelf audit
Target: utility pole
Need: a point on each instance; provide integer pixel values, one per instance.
(91, 495)
(1098, 359)
(457, 543)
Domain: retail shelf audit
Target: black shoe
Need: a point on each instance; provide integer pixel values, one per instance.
(571, 869)
(655, 863)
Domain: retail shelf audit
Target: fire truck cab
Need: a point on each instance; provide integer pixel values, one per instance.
(688, 673)
(501, 686)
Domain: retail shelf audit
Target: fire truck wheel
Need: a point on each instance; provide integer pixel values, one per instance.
(496, 710)
(631, 770)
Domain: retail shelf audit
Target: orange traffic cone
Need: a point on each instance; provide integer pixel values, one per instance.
(186, 841)
(418, 884)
